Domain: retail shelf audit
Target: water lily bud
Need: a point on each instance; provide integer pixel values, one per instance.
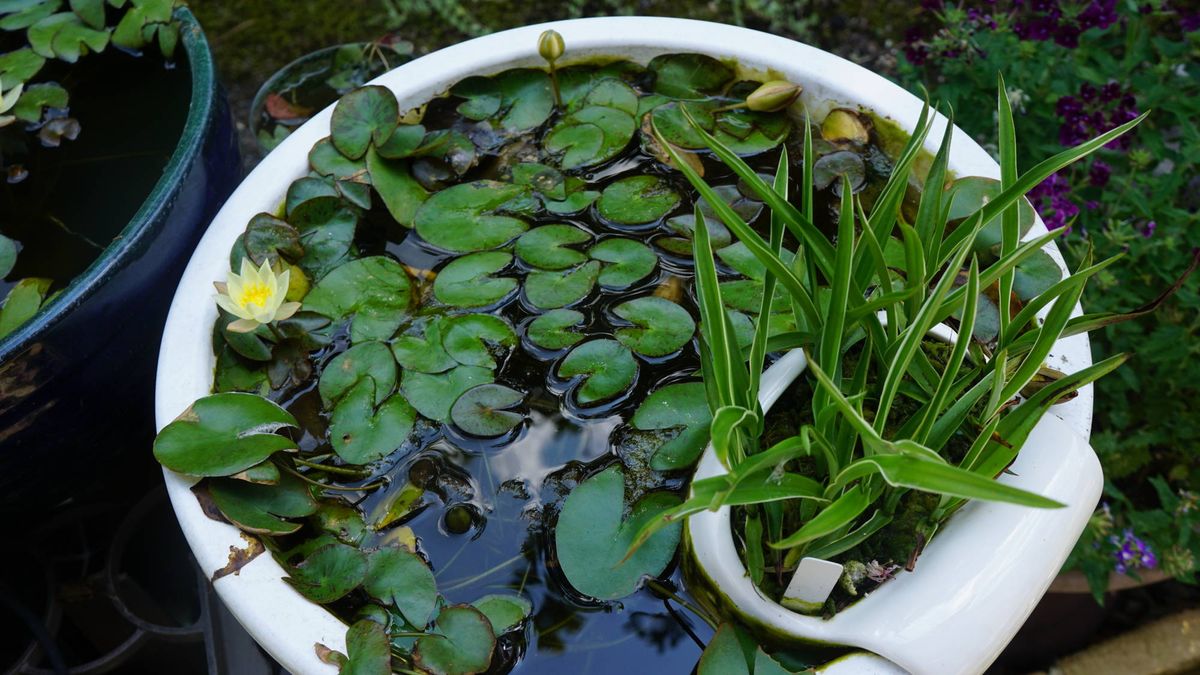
(843, 125)
(550, 45)
(772, 96)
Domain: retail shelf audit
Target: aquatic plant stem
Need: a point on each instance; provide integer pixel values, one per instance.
(664, 590)
(340, 470)
(362, 488)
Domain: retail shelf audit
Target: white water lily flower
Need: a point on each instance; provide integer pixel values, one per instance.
(255, 296)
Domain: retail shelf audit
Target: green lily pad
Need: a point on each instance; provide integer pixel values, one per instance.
(404, 142)
(423, 352)
(262, 509)
(234, 374)
(971, 193)
(8, 255)
(403, 580)
(551, 290)
(637, 200)
(368, 651)
(364, 116)
(433, 395)
(329, 573)
(505, 612)
(460, 644)
(626, 262)
(552, 330)
(576, 200)
(745, 295)
(24, 300)
(327, 242)
(451, 146)
(684, 227)
(661, 327)
(607, 367)
(743, 327)
(594, 534)
(467, 217)
(222, 434)
(518, 100)
(744, 132)
(829, 170)
(547, 181)
(1035, 275)
(342, 522)
(547, 247)
(689, 75)
(326, 160)
(401, 193)
(468, 281)
(267, 238)
(64, 36)
(362, 432)
(375, 291)
(732, 652)
(680, 407)
(746, 207)
(366, 359)
(486, 410)
(590, 135)
(476, 339)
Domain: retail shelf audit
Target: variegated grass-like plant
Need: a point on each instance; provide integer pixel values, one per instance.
(886, 409)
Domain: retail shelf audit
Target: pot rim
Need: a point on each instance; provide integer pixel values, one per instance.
(116, 256)
(282, 621)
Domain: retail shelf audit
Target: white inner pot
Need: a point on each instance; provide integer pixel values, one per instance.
(285, 623)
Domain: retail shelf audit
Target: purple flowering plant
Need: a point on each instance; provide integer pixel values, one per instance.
(1079, 68)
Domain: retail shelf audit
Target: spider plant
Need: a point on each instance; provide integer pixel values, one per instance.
(889, 412)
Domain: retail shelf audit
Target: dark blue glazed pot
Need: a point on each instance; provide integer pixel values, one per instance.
(77, 380)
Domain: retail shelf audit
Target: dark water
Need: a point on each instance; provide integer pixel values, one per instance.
(79, 196)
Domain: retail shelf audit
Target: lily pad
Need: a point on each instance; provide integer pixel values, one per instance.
(404, 142)
(475, 339)
(637, 200)
(517, 100)
(460, 644)
(1034, 275)
(590, 136)
(505, 612)
(423, 352)
(680, 407)
(486, 410)
(368, 651)
(552, 330)
(594, 534)
(433, 395)
(452, 147)
(364, 116)
(744, 132)
(326, 160)
(222, 434)
(366, 359)
(607, 367)
(330, 573)
(267, 238)
(547, 247)
(626, 262)
(262, 509)
(577, 198)
(468, 281)
(684, 227)
(402, 579)
(829, 170)
(545, 180)
(661, 327)
(375, 291)
(401, 193)
(746, 207)
(362, 432)
(551, 290)
(327, 241)
(971, 193)
(689, 75)
(8, 255)
(24, 300)
(468, 217)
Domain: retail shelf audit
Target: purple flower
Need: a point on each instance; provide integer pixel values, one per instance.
(1095, 111)
(1148, 230)
(1099, 174)
(1051, 198)
(1132, 553)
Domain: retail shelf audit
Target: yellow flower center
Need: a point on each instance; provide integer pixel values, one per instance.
(255, 294)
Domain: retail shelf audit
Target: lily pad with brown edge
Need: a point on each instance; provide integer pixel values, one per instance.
(364, 116)
(477, 339)
(469, 281)
(590, 135)
(366, 359)
(505, 612)
(487, 410)
(689, 75)
(326, 160)
(637, 200)
(969, 194)
(551, 290)
(368, 650)
(660, 327)
(222, 434)
(461, 643)
(402, 579)
(680, 407)
(433, 395)
(393, 180)
(361, 431)
(472, 216)
(516, 100)
(606, 367)
(263, 509)
(329, 573)
(595, 531)
(548, 247)
(554, 329)
(375, 292)
(420, 348)
(626, 262)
